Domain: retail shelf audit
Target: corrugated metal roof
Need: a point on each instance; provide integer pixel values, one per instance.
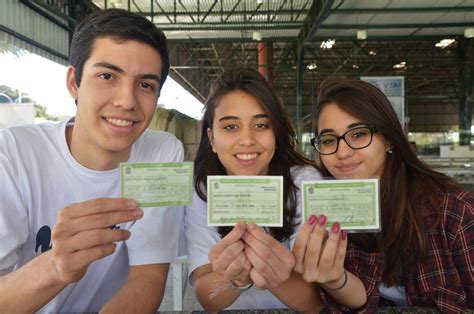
(208, 36)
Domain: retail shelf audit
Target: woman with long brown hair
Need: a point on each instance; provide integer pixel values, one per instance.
(424, 254)
(245, 131)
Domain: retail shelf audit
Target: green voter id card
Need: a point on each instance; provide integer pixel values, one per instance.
(157, 184)
(352, 203)
(253, 199)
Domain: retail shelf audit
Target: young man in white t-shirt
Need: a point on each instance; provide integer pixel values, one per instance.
(63, 226)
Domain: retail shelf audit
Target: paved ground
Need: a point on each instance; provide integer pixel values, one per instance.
(189, 302)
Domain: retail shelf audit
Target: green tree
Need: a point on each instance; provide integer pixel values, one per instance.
(40, 111)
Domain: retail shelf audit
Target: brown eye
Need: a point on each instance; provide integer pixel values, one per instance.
(230, 127)
(106, 76)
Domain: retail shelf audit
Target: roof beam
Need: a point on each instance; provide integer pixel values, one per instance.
(318, 12)
(402, 10)
(291, 40)
(186, 10)
(386, 26)
(209, 11)
(231, 11)
(225, 40)
(164, 13)
(179, 77)
(236, 12)
(279, 11)
(235, 26)
(254, 12)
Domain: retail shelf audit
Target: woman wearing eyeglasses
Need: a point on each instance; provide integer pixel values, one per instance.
(246, 132)
(424, 255)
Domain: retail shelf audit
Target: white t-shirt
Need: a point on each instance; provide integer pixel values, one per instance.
(395, 293)
(39, 176)
(200, 239)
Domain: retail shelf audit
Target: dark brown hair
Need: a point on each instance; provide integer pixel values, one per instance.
(286, 154)
(120, 25)
(406, 183)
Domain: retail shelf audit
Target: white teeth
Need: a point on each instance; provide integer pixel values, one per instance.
(119, 122)
(246, 156)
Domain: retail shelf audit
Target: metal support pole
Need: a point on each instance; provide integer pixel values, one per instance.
(465, 114)
(299, 93)
(313, 105)
(265, 59)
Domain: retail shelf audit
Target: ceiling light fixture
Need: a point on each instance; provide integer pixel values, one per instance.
(469, 32)
(115, 3)
(312, 66)
(328, 44)
(444, 43)
(401, 65)
(257, 36)
(361, 34)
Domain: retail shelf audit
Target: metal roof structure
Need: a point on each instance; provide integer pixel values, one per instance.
(208, 36)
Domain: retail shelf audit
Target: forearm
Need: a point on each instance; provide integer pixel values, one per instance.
(352, 295)
(299, 295)
(214, 292)
(30, 287)
(143, 291)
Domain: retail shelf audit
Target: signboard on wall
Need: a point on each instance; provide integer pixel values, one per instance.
(394, 88)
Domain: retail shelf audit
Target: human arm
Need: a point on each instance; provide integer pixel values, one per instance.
(272, 269)
(143, 291)
(214, 282)
(448, 283)
(321, 260)
(463, 251)
(30, 287)
(82, 235)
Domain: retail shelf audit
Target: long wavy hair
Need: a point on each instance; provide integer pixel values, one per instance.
(406, 182)
(286, 153)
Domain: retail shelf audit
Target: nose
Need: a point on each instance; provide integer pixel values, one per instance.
(246, 137)
(344, 150)
(125, 96)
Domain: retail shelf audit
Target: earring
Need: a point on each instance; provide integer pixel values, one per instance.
(389, 150)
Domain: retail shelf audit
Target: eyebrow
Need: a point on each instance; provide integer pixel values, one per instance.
(257, 116)
(350, 126)
(121, 71)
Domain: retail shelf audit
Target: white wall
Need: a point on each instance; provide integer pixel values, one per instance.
(456, 151)
(16, 114)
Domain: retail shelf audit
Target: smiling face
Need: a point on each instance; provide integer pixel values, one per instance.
(242, 135)
(116, 101)
(348, 163)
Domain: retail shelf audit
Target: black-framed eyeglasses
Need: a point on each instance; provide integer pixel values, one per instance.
(356, 138)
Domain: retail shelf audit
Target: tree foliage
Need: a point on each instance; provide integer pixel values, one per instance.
(13, 94)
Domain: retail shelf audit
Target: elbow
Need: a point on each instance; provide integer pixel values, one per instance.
(211, 305)
(211, 309)
(317, 308)
(358, 302)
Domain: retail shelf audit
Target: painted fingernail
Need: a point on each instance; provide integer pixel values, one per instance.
(138, 213)
(132, 203)
(322, 220)
(311, 219)
(336, 227)
(343, 234)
